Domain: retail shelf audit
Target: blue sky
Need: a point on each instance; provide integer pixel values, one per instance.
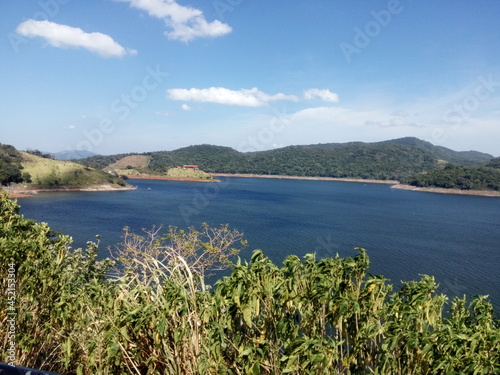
(113, 76)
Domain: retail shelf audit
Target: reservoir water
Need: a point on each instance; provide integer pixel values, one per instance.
(452, 237)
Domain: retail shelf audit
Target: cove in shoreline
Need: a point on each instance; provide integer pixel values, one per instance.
(395, 184)
(165, 178)
(371, 181)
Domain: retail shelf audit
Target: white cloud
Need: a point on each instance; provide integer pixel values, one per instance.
(329, 114)
(162, 113)
(325, 95)
(400, 113)
(187, 23)
(185, 107)
(62, 36)
(341, 124)
(221, 95)
(393, 123)
(354, 118)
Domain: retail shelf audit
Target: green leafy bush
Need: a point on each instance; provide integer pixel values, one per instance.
(154, 314)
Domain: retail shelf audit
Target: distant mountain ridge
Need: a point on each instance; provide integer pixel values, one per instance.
(72, 154)
(386, 160)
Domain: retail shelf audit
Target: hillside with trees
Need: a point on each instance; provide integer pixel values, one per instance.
(150, 311)
(443, 153)
(494, 163)
(470, 177)
(388, 160)
(10, 165)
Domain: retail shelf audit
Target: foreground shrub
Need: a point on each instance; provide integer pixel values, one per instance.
(151, 312)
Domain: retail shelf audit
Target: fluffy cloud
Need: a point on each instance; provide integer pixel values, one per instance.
(329, 115)
(400, 118)
(221, 95)
(394, 123)
(62, 36)
(325, 95)
(187, 23)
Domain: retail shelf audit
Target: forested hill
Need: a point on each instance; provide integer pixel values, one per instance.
(390, 160)
(463, 177)
(443, 153)
(10, 165)
(494, 163)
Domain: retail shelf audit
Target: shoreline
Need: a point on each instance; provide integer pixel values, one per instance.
(346, 179)
(166, 178)
(28, 193)
(480, 193)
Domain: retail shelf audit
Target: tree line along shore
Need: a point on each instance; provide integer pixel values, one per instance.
(407, 163)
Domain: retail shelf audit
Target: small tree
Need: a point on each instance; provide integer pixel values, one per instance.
(199, 252)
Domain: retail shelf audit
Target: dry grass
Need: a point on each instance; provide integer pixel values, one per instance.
(188, 173)
(135, 161)
(56, 173)
(41, 169)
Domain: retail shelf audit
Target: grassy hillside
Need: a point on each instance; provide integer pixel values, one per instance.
(188, 173)
(131, 161)
(101, 161)
(49, 173)
(137, 165)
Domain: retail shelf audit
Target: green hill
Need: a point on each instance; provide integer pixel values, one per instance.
(209, 158)
(466, 177)
(10, 165)
(494, 163)
(443, 153)
(188, 173)
(37, 172)
(48, 173)
(388, 160)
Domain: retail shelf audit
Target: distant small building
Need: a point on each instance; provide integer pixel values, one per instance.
(186, 166)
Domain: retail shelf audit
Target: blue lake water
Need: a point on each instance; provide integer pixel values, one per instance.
(454, 238)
